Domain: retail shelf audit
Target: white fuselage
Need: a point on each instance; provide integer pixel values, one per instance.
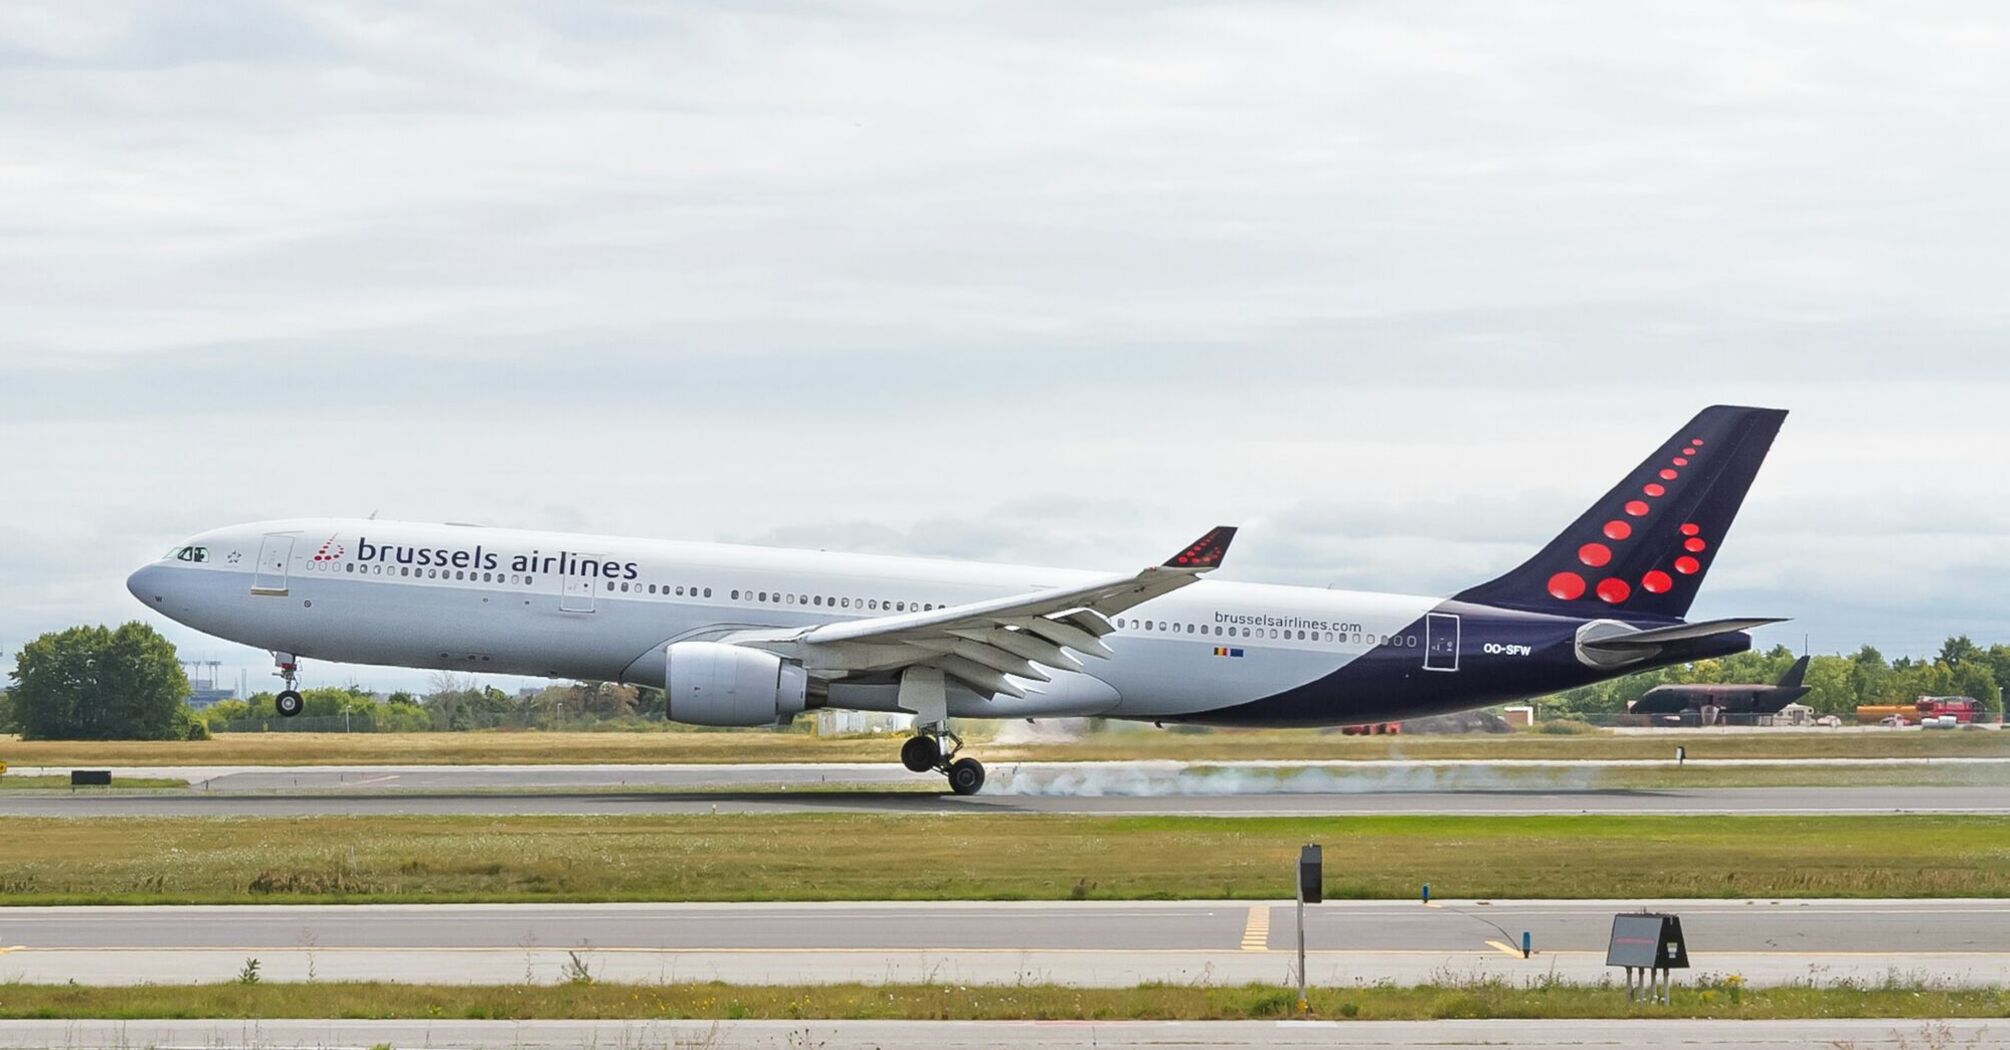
(602, 608)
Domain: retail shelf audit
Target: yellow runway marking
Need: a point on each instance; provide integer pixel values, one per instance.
(1256, 933)
(1497, 945)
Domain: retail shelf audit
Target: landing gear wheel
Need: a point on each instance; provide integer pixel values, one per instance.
(290, 704)
(920, 754)
(966, 776)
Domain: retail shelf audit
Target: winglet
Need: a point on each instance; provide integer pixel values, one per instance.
(1204, 553)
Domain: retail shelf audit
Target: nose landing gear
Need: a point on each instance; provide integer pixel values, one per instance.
(288, 701)
(924, 751)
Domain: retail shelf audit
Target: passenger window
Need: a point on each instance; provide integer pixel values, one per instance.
(526, 581)
(708, 592)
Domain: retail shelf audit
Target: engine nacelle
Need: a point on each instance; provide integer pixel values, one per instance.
(711, 684)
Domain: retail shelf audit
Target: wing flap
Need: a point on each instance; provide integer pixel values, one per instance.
(986, 644)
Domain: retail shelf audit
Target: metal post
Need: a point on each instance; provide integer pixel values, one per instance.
(1304, 1005)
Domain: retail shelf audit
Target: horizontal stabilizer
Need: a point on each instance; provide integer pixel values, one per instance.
(1681, 632)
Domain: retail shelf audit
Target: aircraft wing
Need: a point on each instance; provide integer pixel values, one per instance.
(987, 644)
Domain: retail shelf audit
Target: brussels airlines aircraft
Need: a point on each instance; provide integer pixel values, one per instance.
(748, 636)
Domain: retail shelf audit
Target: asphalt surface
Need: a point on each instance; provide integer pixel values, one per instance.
(1157, 788)
(958, 1035)
(1966, 942)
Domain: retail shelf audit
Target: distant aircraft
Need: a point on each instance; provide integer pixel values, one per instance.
(1733, 699)
(748, 636)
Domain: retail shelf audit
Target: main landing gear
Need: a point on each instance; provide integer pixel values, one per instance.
(925, 751)
(288, 701)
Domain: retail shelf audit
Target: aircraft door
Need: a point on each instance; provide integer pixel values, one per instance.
(275, 554)
(576, 593)
(1441, 642)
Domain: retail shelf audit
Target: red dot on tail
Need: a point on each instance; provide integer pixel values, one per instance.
(1637, 508)
(1656, 582)
(1688, 451)
(1694, 545)
(1690, 528)
(1670, 475)
(1681, 461)
(1653, 489)
(1688, 566)
(1594, 554)
(1613, 590)
(1617, 530)
(1696, 441)
(1566, 586)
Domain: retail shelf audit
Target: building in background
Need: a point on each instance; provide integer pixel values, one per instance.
(204, 691)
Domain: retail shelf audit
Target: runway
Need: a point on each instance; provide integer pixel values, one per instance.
(1130, 788)
(1077, 943)
(958, 1035)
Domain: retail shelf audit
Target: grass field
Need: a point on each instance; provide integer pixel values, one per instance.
(1719, 997)
(501, 747)
(876, 857)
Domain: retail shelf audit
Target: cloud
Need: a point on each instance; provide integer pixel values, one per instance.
(1400, 289)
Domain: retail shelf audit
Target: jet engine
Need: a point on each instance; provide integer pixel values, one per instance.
(712, 684)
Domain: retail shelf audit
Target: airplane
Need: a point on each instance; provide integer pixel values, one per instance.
(1741, 699)
(753, 636)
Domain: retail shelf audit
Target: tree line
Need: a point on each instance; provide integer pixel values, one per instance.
(1838, 685)
(453, 703)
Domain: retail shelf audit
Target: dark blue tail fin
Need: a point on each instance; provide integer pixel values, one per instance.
(1645, 547)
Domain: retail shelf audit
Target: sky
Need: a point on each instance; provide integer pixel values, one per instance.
(1399, 288)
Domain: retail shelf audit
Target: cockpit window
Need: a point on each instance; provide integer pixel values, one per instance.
(191, 554)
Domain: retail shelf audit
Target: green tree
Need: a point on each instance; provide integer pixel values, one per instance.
(1998, 658)
(7, 724)
(96, 683)
(1958, 650)
(1973, 679)
(1830, 689)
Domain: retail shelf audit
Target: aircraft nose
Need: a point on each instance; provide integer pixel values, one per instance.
(144, 584)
